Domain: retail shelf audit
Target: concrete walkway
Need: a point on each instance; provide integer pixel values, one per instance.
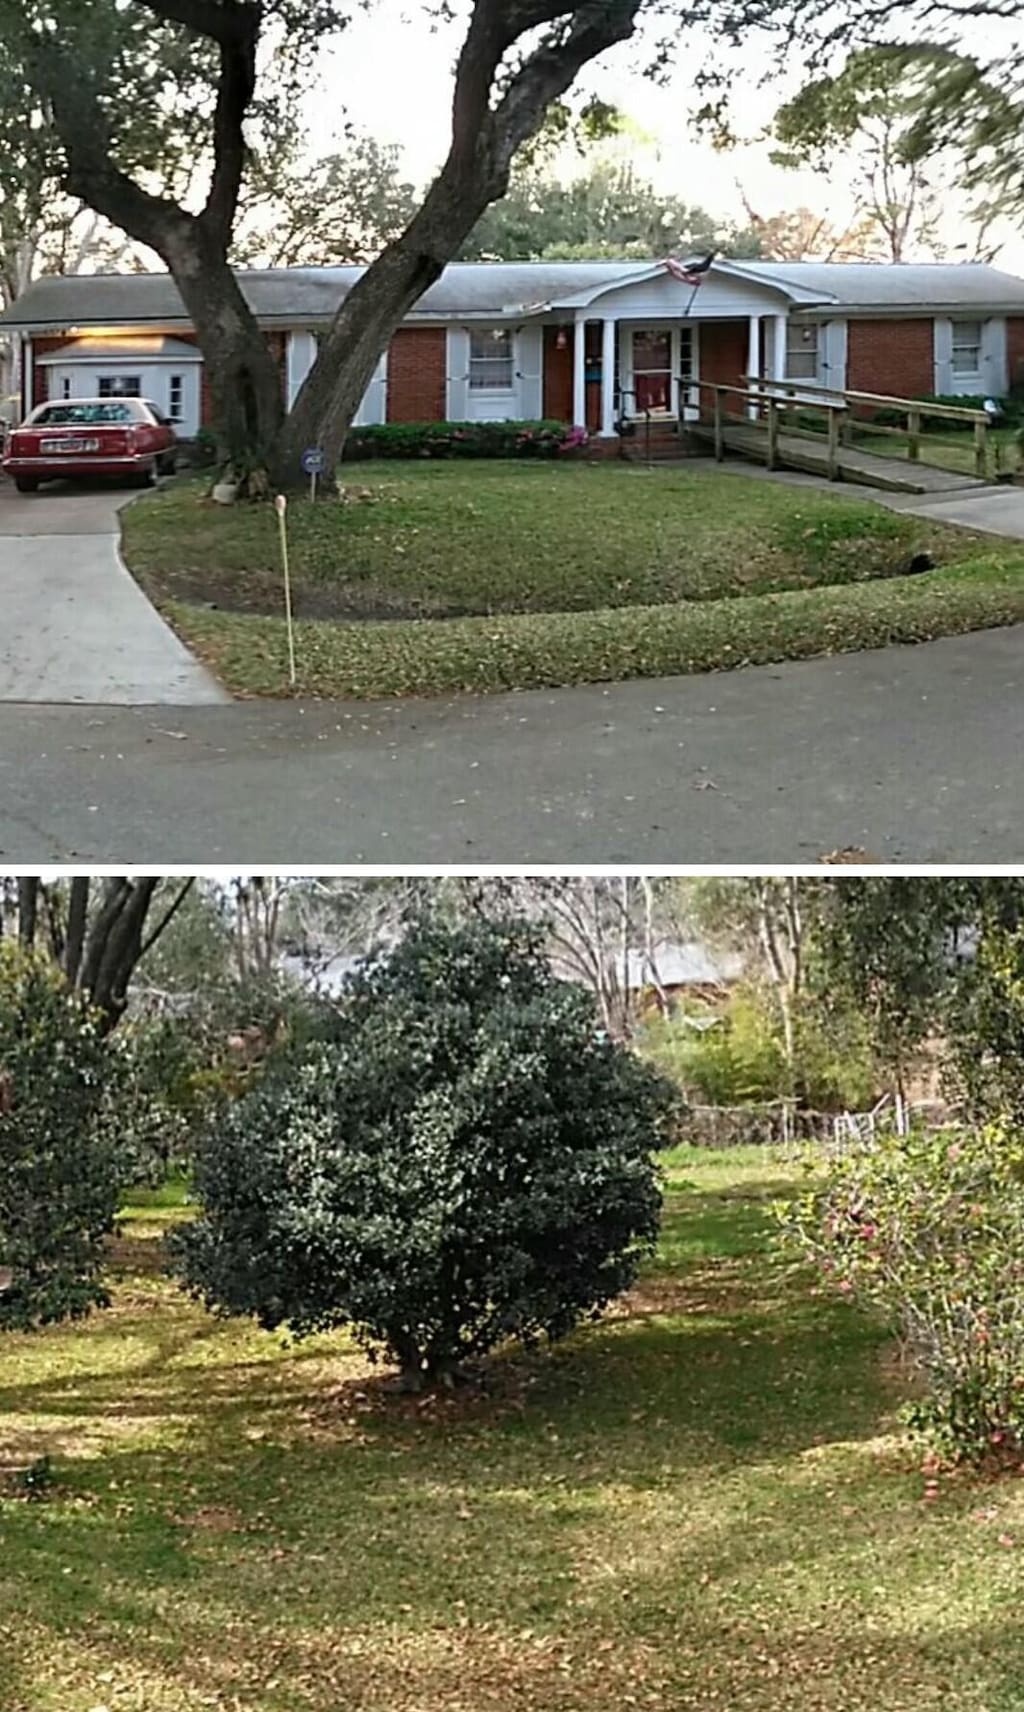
(76, 626)
(992, 510)
(910, 755)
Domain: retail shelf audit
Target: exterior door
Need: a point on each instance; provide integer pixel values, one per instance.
(652, 371)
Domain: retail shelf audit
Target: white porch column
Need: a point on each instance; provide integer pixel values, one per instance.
(579, 373)
(753, 354)
(607, 379)
(779, 348)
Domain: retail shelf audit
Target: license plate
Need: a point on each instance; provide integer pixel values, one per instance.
(68, 445)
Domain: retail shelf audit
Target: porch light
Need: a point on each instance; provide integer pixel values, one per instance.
(561, 339)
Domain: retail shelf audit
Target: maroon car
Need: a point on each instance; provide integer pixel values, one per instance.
(90, 437)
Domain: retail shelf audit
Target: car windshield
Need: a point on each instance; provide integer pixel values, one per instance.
(83, 415)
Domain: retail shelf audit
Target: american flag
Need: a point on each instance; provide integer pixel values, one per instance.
(690, 273)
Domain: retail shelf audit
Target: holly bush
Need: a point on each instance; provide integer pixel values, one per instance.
(466, 1161)
(58, 1152)
(929, 1228)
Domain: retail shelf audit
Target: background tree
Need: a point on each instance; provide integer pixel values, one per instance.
(606, 210)
(345, 207)
(97, 932)
(469, 1161)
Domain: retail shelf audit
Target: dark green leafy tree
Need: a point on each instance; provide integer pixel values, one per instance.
(468, 1160)
(608, 210)
(925, 958)
(59, 1166)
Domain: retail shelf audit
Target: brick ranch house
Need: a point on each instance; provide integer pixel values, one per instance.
(588, 343)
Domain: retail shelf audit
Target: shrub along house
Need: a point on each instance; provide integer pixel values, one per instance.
(586, 343)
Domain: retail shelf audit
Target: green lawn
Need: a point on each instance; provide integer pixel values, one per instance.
(702, 1502)
(491, 576)
(949, 451)
(449, 539)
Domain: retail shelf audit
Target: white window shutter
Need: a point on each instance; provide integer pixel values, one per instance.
(529, 361)
(457, 392)
(943, 352)
(832, 357)
(993, 355)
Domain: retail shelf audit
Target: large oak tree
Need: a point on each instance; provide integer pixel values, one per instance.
(82, 64)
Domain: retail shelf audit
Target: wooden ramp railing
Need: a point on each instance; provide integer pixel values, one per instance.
(762, 408)
(772, 399)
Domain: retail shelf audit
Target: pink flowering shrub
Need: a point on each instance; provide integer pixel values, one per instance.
(929, 1229)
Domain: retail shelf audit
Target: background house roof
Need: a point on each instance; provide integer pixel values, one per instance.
(297, 295)
(682, 963)
(132, 346)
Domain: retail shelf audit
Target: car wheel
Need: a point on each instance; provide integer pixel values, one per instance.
(147, 476)
(26, 484)
(168, 466)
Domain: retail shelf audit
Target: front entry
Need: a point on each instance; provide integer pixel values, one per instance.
(652, 372)
(657, 363)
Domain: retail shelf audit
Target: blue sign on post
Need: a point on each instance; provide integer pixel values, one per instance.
(313, 461)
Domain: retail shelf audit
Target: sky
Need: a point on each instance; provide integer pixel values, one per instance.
(390, 75)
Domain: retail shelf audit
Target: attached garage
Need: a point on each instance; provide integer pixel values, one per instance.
(163, 370)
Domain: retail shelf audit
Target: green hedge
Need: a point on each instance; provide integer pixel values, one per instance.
(462, 440)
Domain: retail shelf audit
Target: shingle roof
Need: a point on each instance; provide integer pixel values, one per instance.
(297, 295)
(901, 284)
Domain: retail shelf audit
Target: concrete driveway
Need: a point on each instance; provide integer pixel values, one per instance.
(76, 627)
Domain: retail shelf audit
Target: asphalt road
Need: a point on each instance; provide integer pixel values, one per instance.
(910, 755)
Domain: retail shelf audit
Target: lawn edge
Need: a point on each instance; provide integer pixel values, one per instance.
(430, 657)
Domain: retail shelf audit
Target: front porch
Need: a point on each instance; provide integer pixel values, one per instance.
(627, 372)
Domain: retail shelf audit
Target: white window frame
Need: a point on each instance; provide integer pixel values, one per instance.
(110, 381)
(498, 371)
(960, 345)
(798, 344)
(176, 398)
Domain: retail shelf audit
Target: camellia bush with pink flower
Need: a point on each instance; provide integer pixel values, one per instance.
(929, 1229)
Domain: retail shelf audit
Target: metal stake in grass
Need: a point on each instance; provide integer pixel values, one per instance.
(281, 507)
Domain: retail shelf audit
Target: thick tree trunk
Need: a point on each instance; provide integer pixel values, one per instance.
(485, 138)
(245, 380)
(363, 327)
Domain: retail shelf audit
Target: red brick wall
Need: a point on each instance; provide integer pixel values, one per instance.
(722, 356)
(417, 362)
(895, 357)
(1015, 353)
(558, 375)
(41, 377)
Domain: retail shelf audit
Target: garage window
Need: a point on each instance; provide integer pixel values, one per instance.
(120, 386)
(177, 398)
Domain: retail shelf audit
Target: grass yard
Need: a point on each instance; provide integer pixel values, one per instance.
(535, 575)
(449, 540)
(702, 1502)
(949, 451)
